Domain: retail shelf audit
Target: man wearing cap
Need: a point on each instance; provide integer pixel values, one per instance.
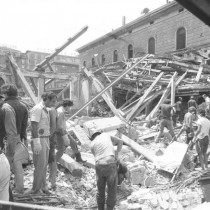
(192, 102)
(106, 167)
(202, 138)
(40, 130)
(188, 124)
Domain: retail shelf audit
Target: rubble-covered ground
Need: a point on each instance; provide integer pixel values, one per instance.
(156, 190)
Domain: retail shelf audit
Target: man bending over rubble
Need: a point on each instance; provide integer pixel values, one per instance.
(106, 167)
(40, 130)
(202, 138)
(166, 111)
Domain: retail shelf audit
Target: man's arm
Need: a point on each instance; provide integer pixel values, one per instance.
(23, 134)
(35, 119)
(119, 144)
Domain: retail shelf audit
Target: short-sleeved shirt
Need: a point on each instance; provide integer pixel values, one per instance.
(102, 146)
(188, 119)
(166, 111)
(61, 121)
(40, 114)
(205, 127)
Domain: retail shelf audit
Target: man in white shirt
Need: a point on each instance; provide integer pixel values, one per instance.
(106, 167)
(202, 138)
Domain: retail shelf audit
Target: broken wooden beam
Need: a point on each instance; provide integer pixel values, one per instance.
(109, 86)
(147, 92)
(74, 167)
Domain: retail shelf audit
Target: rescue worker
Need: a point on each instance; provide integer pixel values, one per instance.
(188, 124)
(179, 109)
(192, 102)
(40, 130)
(166, 111)
(63, 139)
(106, 167)
(15, 123)
(201, 138)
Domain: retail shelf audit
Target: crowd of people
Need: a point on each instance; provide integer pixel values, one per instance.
(196, 124)
(49, 131)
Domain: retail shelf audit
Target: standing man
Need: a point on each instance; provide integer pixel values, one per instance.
(15, 116)
(40, 130)
(106, 167)
(179, 109)
(188, 124)
(207, 101)
(166, 111)
(192, 102)
(62, 135)
(202, 138)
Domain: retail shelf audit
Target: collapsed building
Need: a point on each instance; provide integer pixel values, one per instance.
(144, 82)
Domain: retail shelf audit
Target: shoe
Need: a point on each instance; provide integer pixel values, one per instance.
(79, 158)
(46, 191)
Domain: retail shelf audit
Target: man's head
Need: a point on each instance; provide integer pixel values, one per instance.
(94, 135)
(9, 91)
(192, 97)
(67, 104)
(180, 99)
(192, 109)
(204, 96)
(49, 99)
(167, 101)
(202, 112)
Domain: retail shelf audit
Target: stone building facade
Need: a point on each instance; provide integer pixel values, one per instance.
(166, 29)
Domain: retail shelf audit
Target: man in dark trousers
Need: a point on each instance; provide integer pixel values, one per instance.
(192, 102)
(15, 118)
(166, 111)
(106, 167)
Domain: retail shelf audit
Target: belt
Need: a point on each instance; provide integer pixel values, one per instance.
(44, 137)
(106, 160)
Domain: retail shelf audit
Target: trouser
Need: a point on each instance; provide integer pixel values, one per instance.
(106, 175)
(16, 160)
(61, 146)
(168, 124)
(40, 165)
(4, 178)
(52, 162)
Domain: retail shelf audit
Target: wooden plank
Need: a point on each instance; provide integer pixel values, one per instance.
(173, 90)
(24, 82)
(33, 85)
(165, 96)
(50, 67)
(7, 205)
(62, 91)
(198, 76)
(40, 88)
(133, 112)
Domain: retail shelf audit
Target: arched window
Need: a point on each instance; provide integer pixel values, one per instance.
(151, 45)
(93, 62)
(130, 51)
(115, 56)
(103, 59)
(181, 38)
(84, 63)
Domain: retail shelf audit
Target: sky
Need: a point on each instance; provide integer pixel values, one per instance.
(43, 25)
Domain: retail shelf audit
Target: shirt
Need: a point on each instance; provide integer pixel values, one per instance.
(40, 114)
(21, 115)
(53, 119)
(188, 118)
(205, 127)
(166, 111)
(102, 146)
(178, 106)
(192, 102)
